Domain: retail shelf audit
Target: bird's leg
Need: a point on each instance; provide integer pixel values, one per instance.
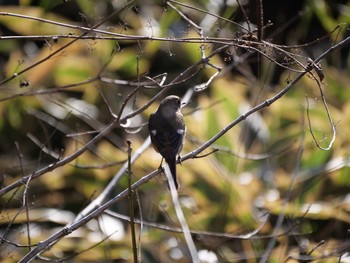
(179, 160)
(162, 172)
(161, 163)
(161, 166)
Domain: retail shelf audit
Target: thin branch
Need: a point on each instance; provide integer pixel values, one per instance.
(334, 132)
(245, 16)
(260, 19)
(25, 196)
(206, 155)
(131, 205)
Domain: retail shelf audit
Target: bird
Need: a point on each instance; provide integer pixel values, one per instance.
(167, 131)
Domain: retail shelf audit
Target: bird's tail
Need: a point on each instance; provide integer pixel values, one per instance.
(172, 167)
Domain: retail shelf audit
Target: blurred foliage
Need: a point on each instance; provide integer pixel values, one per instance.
(267, 164)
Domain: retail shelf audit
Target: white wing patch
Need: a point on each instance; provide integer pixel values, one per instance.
(180, 131)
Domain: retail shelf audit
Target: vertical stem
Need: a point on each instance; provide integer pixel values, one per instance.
(131, 204)
(260, 19)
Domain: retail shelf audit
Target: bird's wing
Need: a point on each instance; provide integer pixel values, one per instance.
(166, 140)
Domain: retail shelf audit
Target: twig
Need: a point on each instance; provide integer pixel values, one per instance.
(205, 155)
(245, 16)
(260, 19)
(131, 205)
(25, 196)
(334, 132)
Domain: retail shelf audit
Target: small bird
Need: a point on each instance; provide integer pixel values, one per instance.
(167, 130)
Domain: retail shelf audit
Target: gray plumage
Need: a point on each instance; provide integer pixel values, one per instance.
(167, 130)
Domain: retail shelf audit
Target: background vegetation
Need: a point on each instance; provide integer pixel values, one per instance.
(264, 174)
